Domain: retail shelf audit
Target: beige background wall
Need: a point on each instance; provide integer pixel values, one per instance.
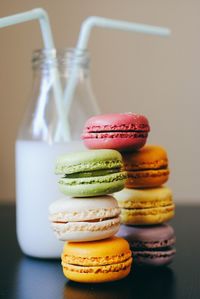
(157, 77)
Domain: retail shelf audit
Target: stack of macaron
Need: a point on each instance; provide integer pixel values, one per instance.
(87, 216)
(145, 203)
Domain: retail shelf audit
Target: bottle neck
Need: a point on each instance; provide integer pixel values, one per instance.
(42, 117)
(44, 60)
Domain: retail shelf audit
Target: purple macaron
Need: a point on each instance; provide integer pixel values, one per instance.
(152, 245)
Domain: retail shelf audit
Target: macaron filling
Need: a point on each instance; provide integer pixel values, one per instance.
(115, 135)
(99, 269)
(96, 260)
(150, 210)
(84, 180)
(164, 211)
(107, 225)
(148, 172)
(118, 130)
(153, 245)
(93, 173)
(89, 220)
(97, 264)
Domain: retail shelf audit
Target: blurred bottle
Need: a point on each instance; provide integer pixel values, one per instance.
(38, 144)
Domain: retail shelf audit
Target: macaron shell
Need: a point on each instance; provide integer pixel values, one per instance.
(105, 248)
(88, 160)
(120, 142)
(144, 198)
(154, 258)
(155, 236)
(70, 209)
(86, 231)
(94, 186)
(149, 157)
(117, 122)
(147, 178)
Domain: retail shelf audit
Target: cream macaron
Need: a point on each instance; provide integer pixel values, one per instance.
(78, 220)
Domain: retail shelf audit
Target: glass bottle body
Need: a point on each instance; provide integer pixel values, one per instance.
(39, 144)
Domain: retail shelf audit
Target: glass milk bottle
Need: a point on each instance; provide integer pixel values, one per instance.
(39, 142)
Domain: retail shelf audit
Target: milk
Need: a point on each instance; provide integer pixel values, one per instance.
(37, 188)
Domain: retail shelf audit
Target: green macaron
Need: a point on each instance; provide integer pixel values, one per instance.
(90, 173)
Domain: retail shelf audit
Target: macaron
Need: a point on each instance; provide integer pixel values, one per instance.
(75, 219)
(147, 167)
(152, 245)
(90, 173)
(145, 206)
(120, 131)
(97, 261)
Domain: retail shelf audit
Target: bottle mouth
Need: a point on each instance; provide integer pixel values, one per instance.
(60, 58)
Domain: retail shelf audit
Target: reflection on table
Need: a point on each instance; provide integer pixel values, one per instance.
(142, 282)
(38, 279)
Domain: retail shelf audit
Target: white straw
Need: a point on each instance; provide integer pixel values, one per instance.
(83, 39)
(45, 27)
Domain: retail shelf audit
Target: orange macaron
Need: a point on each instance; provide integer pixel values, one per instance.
(147, 167)
(97, 261)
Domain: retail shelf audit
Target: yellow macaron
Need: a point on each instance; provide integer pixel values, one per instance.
(97, 261)
(145, 206)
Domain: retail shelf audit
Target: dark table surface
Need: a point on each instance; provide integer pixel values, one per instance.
(26, 278)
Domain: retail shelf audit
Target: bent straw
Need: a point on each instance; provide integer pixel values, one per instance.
(83, 39)
(47, 36)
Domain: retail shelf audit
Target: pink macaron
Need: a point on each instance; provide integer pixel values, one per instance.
(120, 131)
